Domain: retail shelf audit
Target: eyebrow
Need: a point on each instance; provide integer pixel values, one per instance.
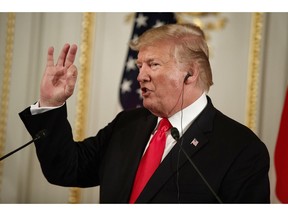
(148, 60)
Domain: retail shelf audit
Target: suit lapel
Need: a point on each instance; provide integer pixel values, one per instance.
(195, 138)
(139, 140)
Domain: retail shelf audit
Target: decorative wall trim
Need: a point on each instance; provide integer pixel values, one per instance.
(10, 28)
(87, 34)
(254, 70)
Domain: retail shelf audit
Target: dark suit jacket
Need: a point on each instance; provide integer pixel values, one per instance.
(229, 155)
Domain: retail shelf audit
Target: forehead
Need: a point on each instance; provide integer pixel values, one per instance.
(160, 50)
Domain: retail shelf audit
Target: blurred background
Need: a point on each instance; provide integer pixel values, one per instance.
(249, 64)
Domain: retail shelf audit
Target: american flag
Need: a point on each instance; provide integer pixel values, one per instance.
(130, 93)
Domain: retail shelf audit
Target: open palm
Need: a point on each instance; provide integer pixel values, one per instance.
(59, 79)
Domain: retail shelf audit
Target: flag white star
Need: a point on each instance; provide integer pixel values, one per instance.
(126, 86)
(140, 93)
(135, 37)
(130, 64)
(141, 21)
(158, 24)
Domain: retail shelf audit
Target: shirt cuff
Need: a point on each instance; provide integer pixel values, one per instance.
(35, 109)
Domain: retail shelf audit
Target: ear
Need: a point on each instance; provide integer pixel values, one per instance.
(187, 76)
(191, 77)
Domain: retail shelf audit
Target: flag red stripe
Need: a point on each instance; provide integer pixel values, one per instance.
(281, 155)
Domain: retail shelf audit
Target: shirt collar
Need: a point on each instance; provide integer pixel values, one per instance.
(183, 119)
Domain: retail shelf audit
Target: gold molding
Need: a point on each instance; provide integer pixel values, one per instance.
(83, 88)
(254, 70)
(10, 28)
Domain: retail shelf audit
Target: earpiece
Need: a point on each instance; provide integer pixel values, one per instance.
(187, 76)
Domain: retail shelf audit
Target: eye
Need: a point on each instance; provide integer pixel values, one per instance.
(139, 66)
(154, 64)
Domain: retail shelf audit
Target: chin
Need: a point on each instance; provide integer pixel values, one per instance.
(147, 105)
(154, 110)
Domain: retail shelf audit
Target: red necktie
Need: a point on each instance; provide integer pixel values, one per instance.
(151, 159)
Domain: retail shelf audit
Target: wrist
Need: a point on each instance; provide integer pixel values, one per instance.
(47, 103)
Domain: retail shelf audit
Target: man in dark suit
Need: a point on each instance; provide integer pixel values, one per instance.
(215, 160)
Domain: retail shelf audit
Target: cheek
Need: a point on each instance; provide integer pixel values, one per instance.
(171, 82)
(170, 88)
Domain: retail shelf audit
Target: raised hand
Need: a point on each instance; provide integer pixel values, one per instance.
(59, 79)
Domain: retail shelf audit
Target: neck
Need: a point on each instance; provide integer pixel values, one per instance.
(185, 100)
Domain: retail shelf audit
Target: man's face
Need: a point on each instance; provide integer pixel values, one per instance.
(161, 80)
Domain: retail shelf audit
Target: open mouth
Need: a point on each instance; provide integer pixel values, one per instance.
(145, 91)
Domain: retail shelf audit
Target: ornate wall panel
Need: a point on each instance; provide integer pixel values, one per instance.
(5, 91)
(80, 127)
(254, 71)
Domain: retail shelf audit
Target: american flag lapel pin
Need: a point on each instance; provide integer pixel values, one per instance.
(194, 142)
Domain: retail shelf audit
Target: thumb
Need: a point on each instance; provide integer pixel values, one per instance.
(71, 80)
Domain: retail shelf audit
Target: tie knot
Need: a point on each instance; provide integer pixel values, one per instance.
(164, 125)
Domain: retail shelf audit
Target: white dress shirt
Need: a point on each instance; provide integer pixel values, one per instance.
(182, 120)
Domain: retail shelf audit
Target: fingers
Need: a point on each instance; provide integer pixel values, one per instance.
(71, 80)
(63, 54)
(66, 57)
(71, 56)
(50, 60)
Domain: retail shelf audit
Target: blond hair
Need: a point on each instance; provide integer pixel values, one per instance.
(190, 47)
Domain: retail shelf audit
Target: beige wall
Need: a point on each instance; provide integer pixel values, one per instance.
(22, 180)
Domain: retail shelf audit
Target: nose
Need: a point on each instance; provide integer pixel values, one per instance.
(143, 75)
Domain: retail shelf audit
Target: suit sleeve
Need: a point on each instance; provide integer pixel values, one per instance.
(63, 161)
(247, 180)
